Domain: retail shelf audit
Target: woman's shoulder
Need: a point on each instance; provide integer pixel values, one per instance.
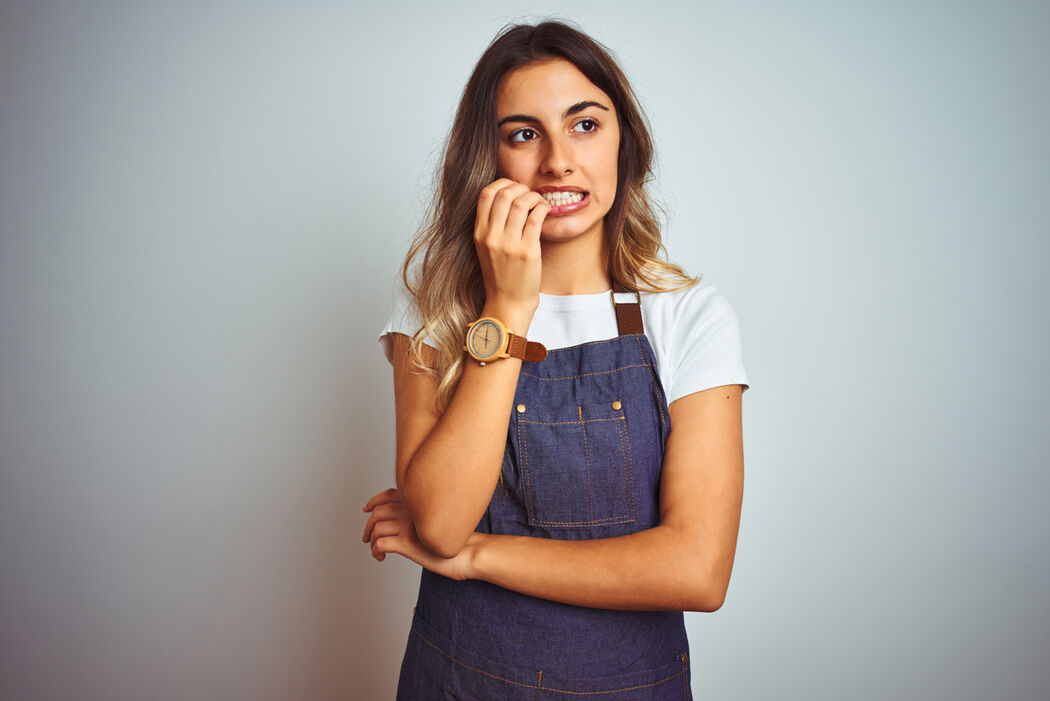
(404, 315)
(404, 318)
(696, 303)
(696, 337)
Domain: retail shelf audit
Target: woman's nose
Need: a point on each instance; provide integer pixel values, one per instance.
(558, 159)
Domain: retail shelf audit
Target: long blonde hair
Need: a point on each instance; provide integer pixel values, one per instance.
(441, 270)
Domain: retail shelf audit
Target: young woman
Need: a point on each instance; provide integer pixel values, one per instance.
(569, 457)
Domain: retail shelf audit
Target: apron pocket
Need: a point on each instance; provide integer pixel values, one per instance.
(576, 466)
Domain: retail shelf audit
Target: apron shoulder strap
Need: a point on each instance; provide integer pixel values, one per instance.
(628, 307)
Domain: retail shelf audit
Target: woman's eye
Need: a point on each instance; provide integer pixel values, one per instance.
(522, 135)
(586, 126)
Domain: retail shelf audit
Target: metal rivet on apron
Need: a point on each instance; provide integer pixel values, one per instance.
(521, 408)
(616, 405)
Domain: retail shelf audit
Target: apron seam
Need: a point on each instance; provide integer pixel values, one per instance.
(545, 688)
(656, 383)
(628, 467)
(587, 374)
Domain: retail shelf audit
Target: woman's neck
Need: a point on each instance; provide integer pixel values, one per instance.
(575, 267)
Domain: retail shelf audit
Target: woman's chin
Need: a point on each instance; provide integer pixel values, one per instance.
(562, 231)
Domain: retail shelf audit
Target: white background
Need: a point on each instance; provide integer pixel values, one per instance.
(203, 207)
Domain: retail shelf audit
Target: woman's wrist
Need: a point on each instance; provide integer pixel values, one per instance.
(475, 550)
(515, 316)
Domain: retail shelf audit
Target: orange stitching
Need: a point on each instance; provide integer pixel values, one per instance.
(586, 374)
(610, 521)
(587, 461)
(660, 404)
(619, 519)
(685, 677)
(534, 686)
(656, 382)
(525, 462)
(569, 423)
(590, 343)
(626, 468)
(630, 468)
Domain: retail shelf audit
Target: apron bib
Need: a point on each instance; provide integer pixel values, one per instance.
(584, 454)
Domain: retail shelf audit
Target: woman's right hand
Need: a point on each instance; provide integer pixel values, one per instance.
(507, 240)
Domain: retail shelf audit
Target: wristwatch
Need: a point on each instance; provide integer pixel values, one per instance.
(488, 339)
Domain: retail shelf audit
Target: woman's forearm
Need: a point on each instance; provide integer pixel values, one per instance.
(448, 469)
(683, 564)
(448, 481)
(657, 569)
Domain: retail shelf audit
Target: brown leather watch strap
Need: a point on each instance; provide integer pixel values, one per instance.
(529, 351)
(535, 352)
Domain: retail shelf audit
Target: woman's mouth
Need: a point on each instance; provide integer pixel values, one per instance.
(566, 201)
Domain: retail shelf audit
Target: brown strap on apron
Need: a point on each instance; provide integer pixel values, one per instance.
(628, 314)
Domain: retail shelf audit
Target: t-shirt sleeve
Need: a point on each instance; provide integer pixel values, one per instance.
(404, 318)
(706, 351)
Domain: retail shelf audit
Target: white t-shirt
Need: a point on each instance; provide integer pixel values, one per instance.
(694, 332)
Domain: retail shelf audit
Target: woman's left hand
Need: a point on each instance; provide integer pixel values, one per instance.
(390, 530)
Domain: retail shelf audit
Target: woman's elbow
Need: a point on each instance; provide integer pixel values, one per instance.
(709, 601)
(707, 588)
(703, 599)
(440, 539)
(436, 531)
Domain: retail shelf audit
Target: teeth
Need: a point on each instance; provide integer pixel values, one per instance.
(558, 198)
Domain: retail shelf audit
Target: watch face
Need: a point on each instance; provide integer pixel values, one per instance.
(485, 339)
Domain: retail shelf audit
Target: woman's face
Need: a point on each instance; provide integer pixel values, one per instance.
(559, 135)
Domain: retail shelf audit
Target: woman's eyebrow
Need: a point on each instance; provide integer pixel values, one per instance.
(578, 107)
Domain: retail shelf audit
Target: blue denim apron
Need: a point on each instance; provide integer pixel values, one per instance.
(584, 453)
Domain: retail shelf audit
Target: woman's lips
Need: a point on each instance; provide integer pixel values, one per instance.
(569, 207)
